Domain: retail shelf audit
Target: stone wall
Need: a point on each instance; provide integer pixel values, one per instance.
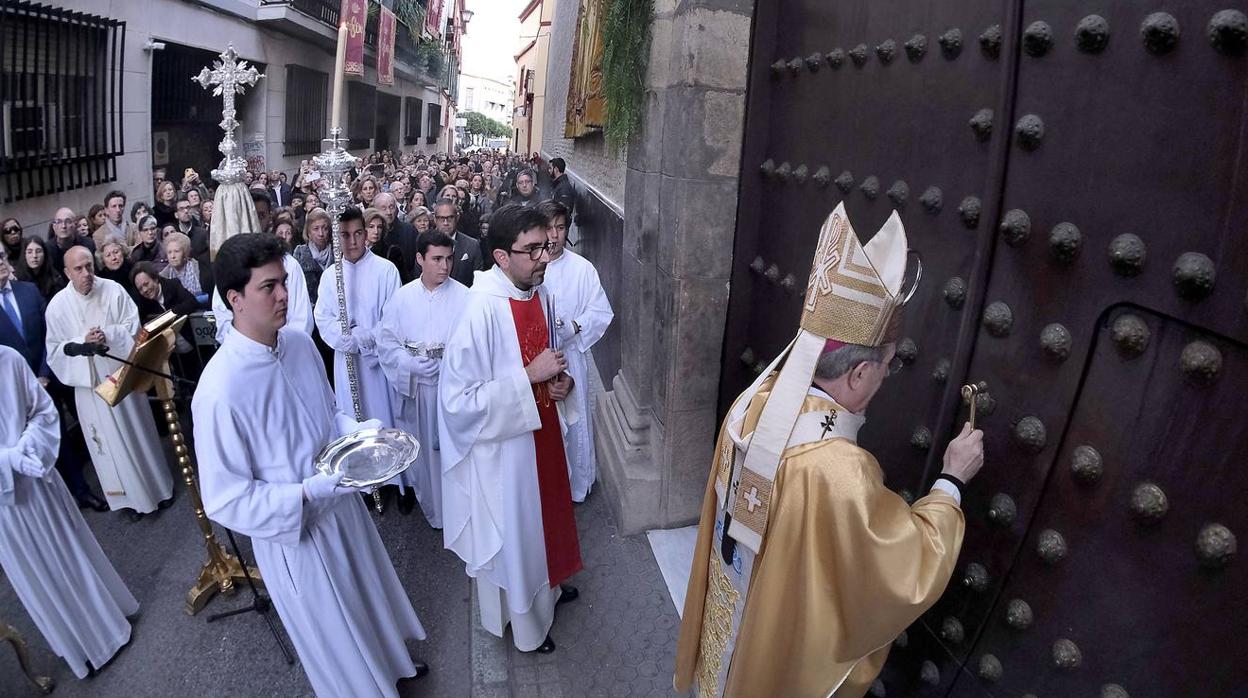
(588, 157)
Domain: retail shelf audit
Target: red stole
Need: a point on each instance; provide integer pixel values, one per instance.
(563, 551)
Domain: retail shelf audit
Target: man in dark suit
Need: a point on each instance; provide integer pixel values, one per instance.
(562, 189)
(399, 239)
(23, 327)
(467, 250)
(280, 192)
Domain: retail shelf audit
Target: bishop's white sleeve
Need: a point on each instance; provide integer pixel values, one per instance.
(597, 315)
(232, 496)
(124, 325)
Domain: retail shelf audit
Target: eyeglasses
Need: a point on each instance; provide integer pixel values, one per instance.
(63, 221)
(534, 252)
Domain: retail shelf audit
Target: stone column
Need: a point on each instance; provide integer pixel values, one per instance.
(656, 428)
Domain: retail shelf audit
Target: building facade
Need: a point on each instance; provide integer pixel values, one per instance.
(489, 96)
(89, 115)
(532, 57)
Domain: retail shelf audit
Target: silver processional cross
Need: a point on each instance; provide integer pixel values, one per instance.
(229, 76)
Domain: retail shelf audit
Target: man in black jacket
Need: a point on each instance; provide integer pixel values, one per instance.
(467, 250)
(399, 234)
(562, 189)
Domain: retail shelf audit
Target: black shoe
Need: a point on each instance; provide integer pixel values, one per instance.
(422, 670)
(133, 516)
(546, 647)
(569, 594)
(92, 502)
(407, 501)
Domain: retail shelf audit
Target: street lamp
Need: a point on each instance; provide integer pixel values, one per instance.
(467, 15)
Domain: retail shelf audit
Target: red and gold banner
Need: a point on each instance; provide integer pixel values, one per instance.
(385, 48)
(353, 15)
(433, 17)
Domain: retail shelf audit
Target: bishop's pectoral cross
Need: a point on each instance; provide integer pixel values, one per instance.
(828, 423)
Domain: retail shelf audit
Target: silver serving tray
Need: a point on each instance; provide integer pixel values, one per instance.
(369, 457)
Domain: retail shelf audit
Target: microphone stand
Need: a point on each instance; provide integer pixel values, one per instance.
(260, 602)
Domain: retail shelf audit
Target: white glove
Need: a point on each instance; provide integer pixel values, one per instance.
(323, 486)
(28, 464)
(425, 367)
(365, 339)
(370, 424)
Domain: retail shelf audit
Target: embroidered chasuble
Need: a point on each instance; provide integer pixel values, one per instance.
(563, 552)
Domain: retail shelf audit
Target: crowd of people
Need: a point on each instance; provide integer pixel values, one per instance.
(417, 234)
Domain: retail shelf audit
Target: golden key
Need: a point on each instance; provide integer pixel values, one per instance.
(970, 395)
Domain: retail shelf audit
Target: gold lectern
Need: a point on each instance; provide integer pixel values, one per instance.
(149, 367)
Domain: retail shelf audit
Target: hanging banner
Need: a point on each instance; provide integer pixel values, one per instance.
(354, 14)
(433, 18)
(385, 47)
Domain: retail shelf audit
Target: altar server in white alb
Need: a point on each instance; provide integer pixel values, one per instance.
(369, 281)
(582, 315)
(49, 555)
(411, 337)
(124, 445)
(263, 411)
(505, 396)
(299, 309)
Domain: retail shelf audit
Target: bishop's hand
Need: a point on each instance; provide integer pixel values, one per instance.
(965, 454)
(96, 336)
(545, 366)
(561, 387)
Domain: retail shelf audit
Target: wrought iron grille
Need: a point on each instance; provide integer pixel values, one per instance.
(307, 92)
(60, 99)
(415, 110)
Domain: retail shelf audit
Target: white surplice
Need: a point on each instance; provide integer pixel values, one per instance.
(298, 303)
(491, 502)
(579, 296)
(51, 558)
(261, 416)
(417, 315)
(369, 283)
(124, 445)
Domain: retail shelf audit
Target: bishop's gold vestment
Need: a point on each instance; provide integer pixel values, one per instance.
(844, 567)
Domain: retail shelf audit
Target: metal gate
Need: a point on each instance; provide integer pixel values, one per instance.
(1072, 174)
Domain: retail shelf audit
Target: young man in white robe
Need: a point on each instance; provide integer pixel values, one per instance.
(51, 558)
(298, 309)
(582, 315)
(123, 442)
(369, 282)
(505, 395)
(262, 413)
(414, 329)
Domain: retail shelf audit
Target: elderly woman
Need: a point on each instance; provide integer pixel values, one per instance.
(148, 248)
(112, 262)
(420, 219)
(181, 266)
(317, 253)
(284, 229)
(35, 266)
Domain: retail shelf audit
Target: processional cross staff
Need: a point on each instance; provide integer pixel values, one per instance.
(229, 76)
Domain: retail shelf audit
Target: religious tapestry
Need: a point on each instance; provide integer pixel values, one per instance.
(587, 109)
(354, 14)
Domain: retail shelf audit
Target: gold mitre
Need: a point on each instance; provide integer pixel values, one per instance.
(854, 296)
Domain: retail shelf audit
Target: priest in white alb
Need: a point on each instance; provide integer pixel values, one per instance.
(505, 398)
(411, 337)
(369, 282)
(123, 442)
(262, 413)
(582, 315)
(51, 558)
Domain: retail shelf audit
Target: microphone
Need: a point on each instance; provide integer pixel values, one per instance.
(85, 349)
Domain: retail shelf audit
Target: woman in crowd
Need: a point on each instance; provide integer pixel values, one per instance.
(420, 219)
(317, 254)
(448, 192)
(34, 266)
(284, 229)
(149, 248)
(417, 201)
(312, 201)
(93, 221)
(205, 212)
(138, 211)
(375, 228)
(196, 200)
(112, 262)
(183, 267)
(365, 190)
(166, 196)
(11, 236)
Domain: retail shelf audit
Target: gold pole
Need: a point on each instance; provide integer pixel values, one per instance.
(222, 569)
(9, 634)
